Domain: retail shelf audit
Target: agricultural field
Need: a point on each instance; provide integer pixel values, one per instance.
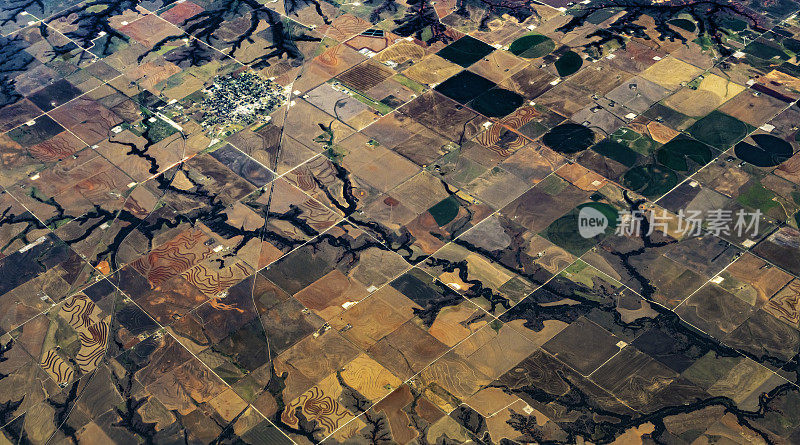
(399, 222)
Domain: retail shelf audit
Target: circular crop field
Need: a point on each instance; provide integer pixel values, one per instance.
(719, 130)
(532, 46)
(768, 150)
(563, 231)
(569, 63)
(677, 153)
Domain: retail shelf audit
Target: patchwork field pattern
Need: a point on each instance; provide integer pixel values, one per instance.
(277, 222)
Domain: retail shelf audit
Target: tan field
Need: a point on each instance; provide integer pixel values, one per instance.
(712, 92)
(671, 73)
(431, 70)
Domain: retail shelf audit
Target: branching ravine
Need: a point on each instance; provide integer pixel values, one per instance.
(706, 13)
